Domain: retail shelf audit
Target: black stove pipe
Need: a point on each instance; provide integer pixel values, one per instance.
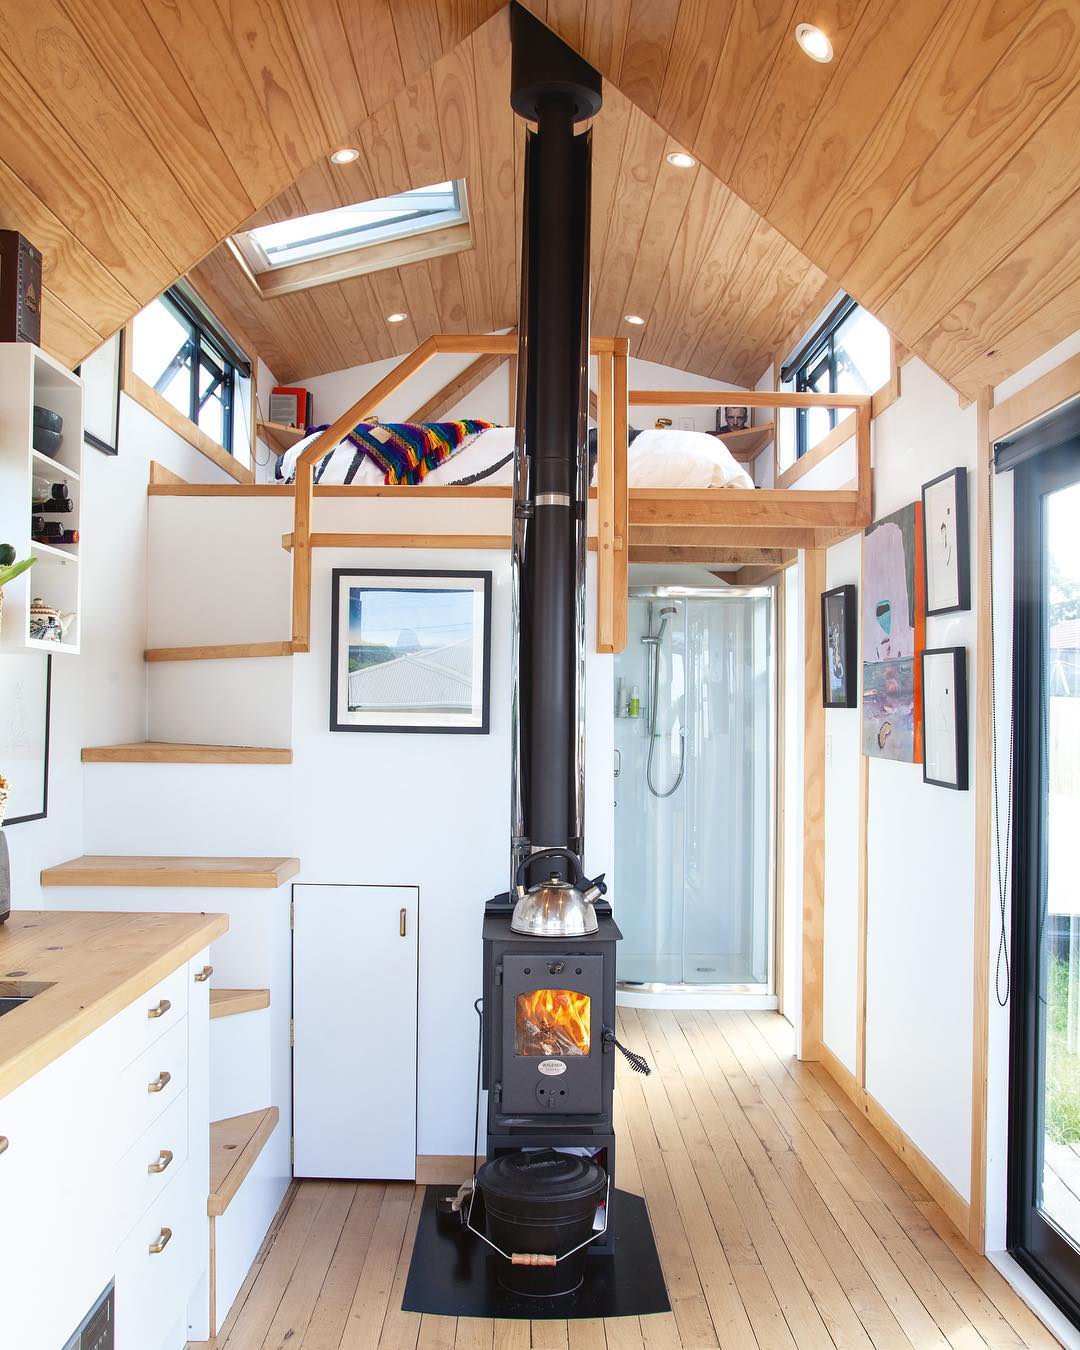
(554, 87)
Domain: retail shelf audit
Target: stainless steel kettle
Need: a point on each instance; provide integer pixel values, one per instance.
(556, 908)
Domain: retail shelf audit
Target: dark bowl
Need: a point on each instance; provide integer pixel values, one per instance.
(45, 417)
(48, 442)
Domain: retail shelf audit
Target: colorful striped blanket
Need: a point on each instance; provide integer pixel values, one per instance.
(406, 452)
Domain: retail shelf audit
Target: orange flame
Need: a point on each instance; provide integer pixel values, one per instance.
(553, 1022)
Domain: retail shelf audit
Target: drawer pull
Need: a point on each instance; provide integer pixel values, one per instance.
(161, 1009)
(162, 1241)
(165, 1157)
(3, 1143)
(401, 923)
(163, 1080)
(201, 976)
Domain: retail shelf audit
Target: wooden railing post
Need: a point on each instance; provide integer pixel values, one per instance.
(605, 503)
(620, 431)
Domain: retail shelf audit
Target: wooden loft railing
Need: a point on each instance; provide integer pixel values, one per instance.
(710, 527)
(610, 538)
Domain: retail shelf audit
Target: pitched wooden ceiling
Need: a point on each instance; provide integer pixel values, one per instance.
(719, 287)
(930, 168)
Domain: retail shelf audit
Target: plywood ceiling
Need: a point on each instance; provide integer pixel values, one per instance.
(931, 168)
(719, 287)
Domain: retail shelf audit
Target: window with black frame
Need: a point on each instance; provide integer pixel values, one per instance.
(1044, 1123)
(849, 353)
(177, 352)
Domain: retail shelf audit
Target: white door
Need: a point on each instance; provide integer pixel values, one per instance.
(354, 1008)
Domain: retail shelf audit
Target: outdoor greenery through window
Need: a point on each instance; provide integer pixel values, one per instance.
(325, 233)
(174, 352)
(849, 354)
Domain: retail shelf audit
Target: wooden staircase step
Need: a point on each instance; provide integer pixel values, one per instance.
(230, 1002)
(226, 651)
(117, 870)
(235, 1143)
(173, 752)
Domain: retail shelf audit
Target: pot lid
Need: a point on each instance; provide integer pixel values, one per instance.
(541, 1174)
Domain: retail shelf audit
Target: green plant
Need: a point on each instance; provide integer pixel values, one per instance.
(9, 568)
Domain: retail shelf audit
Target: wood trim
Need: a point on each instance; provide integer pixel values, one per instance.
(713, 555)
(137, 389)
(444, 1169)
(476, 492)
(477, 541)
(235, 1144)
(940, 1188)
(605, 515)
(226, 651)
(984, 769)
(813, 898)
(232, 1002)
(453, 391)
(838, 436)
(159, 475)
(154, 870)
(620, 580)
(1041, 396)
(780, 601)
(862, 910)
(763, 509)
(751, 398)
(163, 752)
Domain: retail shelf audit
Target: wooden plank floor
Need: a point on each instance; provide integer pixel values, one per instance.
(783, 1220)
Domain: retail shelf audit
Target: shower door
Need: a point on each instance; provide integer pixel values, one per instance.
(694, 818)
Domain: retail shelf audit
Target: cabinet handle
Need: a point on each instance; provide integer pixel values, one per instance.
(3, 1143)
(163, 1240)
(201, 976)
(165, 1157)
(163, 1079)
(161, 1009)
(401, 923)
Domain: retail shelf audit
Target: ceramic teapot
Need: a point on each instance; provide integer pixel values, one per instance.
(48, 624)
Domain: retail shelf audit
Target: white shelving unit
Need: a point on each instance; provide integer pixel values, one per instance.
(29, 376)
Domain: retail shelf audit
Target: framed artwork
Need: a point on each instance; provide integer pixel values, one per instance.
(839, 652)
(893, 628)
(410, 651)
(25, 697)
(101, 374)
(947, 543)
(945, 762)
(733, 418)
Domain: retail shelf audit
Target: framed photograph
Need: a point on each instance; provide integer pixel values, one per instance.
(946, 542)
(945, 757)
(101, 374)
(410, 651)
(735, 417)
(25, 696)
(839, 648)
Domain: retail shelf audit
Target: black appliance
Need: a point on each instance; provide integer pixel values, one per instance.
(97, 1329)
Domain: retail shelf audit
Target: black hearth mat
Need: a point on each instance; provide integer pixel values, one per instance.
(453, 1274)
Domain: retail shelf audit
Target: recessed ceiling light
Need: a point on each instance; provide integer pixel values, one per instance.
(346, 155)
(396, 318)
(681, 159)
(814, 42)
(635, 319)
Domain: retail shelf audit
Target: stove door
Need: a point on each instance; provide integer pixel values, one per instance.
(552, 1035)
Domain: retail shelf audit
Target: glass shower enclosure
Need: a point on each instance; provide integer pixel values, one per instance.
(695, 736)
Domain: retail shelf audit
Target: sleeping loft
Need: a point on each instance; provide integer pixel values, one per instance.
(539, 675)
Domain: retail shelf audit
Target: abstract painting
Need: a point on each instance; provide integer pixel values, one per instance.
(838, 648)
(893, 625)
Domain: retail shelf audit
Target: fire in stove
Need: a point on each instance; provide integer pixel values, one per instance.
(552, 1022)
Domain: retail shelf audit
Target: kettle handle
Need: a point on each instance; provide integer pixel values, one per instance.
(519, 879)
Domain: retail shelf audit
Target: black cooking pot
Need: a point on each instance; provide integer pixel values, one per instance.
(541, 1203)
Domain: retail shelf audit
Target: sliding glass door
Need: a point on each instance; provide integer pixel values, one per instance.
(1044, 1175)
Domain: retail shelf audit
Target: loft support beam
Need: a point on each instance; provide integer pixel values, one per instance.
(453, 391)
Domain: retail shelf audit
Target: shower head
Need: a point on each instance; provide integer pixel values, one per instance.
(654, 639)
(668, 609)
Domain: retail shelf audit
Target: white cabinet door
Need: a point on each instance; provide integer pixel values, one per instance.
(354, 1006)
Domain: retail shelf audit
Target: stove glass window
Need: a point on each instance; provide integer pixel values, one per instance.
(552, 1022)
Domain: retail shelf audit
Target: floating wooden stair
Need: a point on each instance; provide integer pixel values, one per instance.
(173, 752)
(116, 870)
(225, 651)
(235, 1143)
(230, 1002)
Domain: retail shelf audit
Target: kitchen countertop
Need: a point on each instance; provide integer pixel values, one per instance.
(96, 963)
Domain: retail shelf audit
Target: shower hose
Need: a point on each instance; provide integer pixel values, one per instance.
(654, 658)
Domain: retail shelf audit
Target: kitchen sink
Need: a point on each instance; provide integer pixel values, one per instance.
(14, 993)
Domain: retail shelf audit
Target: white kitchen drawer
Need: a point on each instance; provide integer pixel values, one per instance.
(164, 1146)
(152, 1287)
(135, 1028)
(150, 1084)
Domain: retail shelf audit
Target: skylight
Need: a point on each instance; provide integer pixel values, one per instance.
(327, 233)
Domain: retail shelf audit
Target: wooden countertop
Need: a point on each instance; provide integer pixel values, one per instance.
(97, 965)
